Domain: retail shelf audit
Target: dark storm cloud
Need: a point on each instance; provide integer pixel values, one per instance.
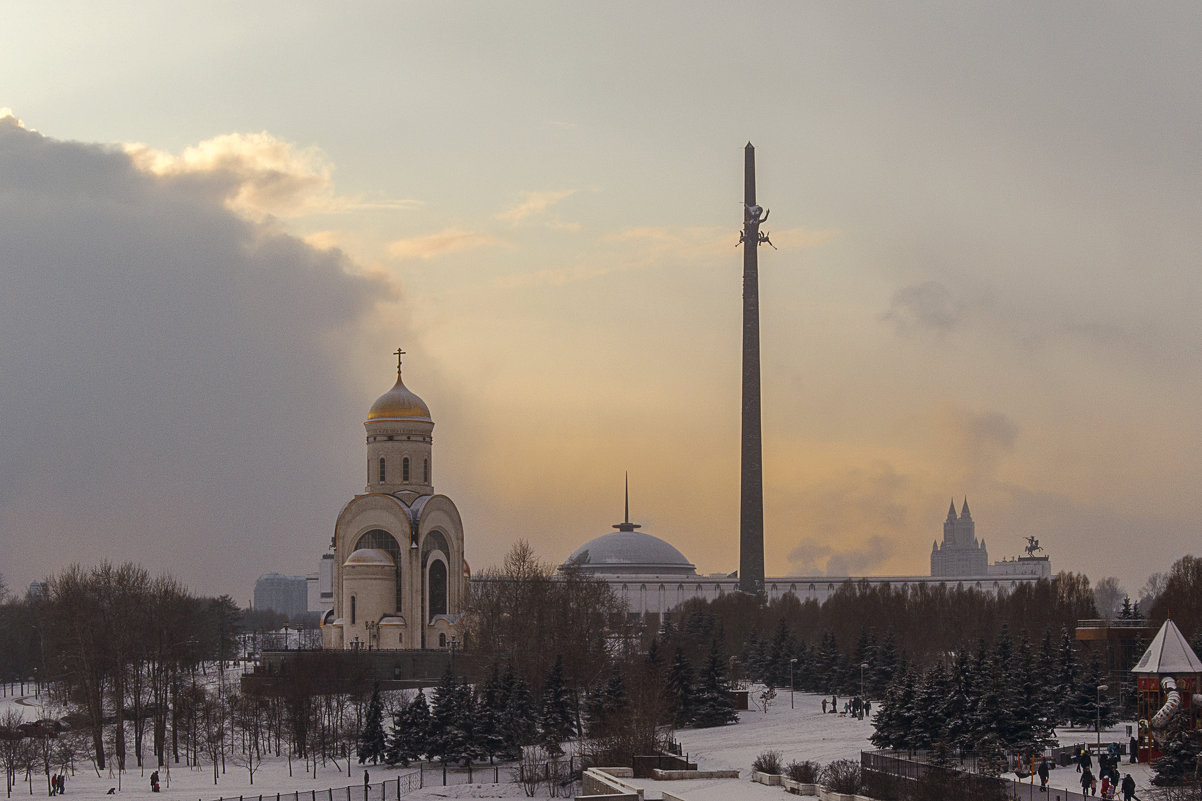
(174, 389)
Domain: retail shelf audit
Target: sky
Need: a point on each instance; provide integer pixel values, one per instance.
(218, 220)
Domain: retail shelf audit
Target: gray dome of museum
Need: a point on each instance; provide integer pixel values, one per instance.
(627, 551)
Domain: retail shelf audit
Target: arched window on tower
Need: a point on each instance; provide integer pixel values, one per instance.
(381, 469)
(438, 588)
(352, 610)
(405, 470)
(425, 471)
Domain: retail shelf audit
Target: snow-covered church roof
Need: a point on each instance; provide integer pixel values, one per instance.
(1169, 653)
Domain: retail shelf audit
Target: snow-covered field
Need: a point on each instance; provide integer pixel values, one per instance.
(799, 733)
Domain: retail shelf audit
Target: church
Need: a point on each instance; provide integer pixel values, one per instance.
(400, 580)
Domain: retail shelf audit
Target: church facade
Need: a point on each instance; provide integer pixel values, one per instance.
(400, 578)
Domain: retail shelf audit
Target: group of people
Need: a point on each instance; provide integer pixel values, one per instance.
(58, 784)
(1110, 784)
(857, 707)
(1108, 770)
(154, 782)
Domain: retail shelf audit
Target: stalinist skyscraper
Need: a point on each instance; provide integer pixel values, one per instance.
(751, 497)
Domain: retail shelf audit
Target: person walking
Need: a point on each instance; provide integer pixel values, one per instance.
(824, 704)
(1043, 775)
(1134, 746)
(1128, 788)
(1086, 780)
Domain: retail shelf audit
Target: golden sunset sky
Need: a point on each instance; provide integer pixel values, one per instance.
(217, 221)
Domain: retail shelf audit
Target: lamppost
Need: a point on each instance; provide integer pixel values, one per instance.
(1098, 708)
(792, 662)
(285, 636)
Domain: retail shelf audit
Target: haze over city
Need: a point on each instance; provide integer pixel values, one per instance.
(217, 222)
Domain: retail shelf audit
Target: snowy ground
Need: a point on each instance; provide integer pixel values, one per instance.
(799, 733)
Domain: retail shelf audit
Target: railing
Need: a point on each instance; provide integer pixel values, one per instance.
(1112, 623)
(381, 791)
(884, 771)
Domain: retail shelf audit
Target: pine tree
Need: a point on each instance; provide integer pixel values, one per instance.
(448, 740)
(757, 658)
(518, 724)
(1034, 728)
(605, 702)
(928, 703)
(680, 690)
(893, 722)
(884, 667)
(779, 654)
(371, 740)
(410, 731)
(1178, 762)
(490, 714)
(712, 706)
(556, 719)
(1067, 678)
(827, 664)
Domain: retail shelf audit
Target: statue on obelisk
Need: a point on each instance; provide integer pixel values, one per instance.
(751, 495)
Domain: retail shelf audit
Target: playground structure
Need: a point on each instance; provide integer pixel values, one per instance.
(1169, 683)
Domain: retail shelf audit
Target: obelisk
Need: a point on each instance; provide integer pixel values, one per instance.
(751, 495)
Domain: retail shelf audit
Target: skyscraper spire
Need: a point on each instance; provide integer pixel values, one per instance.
(751, 496)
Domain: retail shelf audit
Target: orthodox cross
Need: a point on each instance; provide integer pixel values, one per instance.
(398, 353)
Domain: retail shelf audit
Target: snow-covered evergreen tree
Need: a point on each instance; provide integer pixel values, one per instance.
(884, 667)
(604, 702)
(372, 743)
(449, 739)
(1068, 678)
(679, 689)
(894, 719)
(410, 731)
(711, 704)
(518, 724)
(1178, 763)
(557, 716)
(490, 710)
(1034, 727)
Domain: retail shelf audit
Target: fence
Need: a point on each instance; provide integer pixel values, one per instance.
(380, 791)
(889, 776)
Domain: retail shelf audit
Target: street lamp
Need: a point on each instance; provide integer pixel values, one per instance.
(1098, 708)
(792, 662)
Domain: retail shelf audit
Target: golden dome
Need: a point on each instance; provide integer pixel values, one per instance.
(399, 403)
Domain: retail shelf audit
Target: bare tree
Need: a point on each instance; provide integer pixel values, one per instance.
(1108, 597)
(12, 746)
(1151, 591)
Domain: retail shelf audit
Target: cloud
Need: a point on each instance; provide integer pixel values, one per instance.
(448, 240)
(974, 442)
(178, 388)
(533, 203)
(923, 307)
(260, 174)
(811, 557)
(869, 506)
